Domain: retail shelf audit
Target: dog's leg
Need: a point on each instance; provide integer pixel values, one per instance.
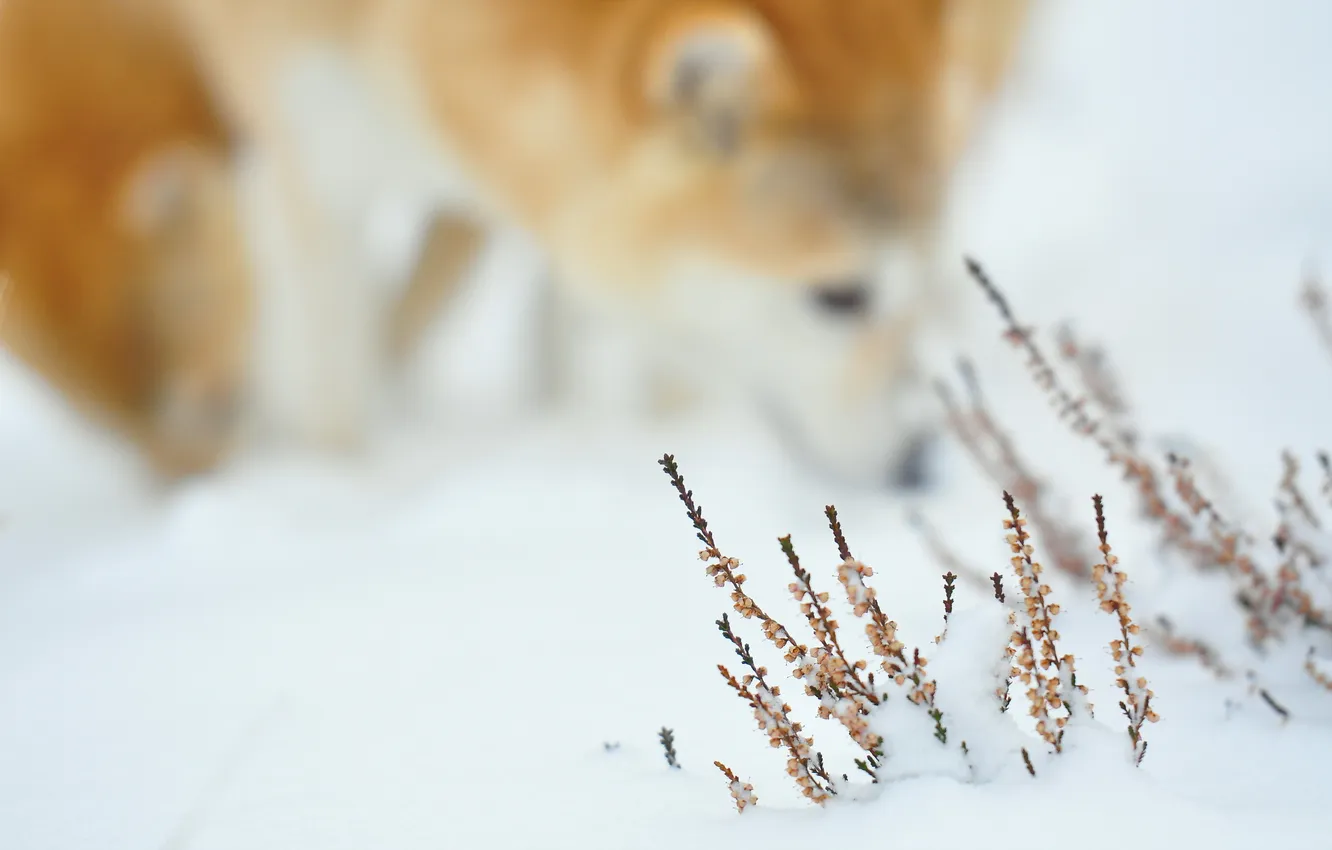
(324, 323)
(319, 322)
(284, 87)
(553, 335)
(451, 247)
(591, 356)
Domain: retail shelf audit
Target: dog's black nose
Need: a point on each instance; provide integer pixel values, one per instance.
(913, 469)
(848, 297)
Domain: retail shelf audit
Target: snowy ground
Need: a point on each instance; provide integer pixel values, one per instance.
(433, 647)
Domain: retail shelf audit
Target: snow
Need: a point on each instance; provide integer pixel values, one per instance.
(471, 637)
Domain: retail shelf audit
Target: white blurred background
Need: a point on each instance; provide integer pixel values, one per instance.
(403, 626)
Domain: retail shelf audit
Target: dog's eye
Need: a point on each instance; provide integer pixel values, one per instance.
(847, 298)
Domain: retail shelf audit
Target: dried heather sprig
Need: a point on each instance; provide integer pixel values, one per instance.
(976, 430)
(949, 579)
(881, 631)
(1230, 549)
(1047, 691)
(1072, 410)
(827, 673)
(1098, 380)
(1068, 407)
(1026, 759)
(882, 634)
(667, 738)
(1322, 678)
(1217, 545)
(1293, 498)
(724, 571)
(1137, 702)
(869, 765)
(1165, 636)
(1256, 687)
(1313, 297)
(1325, 461)
(694, 512)
(803, 764)
(835, 526)
(1001, 693)
(1025, 669)
(1299, 540)
(742, 793)
(923, 694)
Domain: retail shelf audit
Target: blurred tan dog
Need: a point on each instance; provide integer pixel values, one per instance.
(125, 279)
(753, 186)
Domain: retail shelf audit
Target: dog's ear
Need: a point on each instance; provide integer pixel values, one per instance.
(982, 42)
(710, 67)
(161, 194)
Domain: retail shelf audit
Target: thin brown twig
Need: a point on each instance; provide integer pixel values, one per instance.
(976, 429)
(1313, 297)
(1110, 581)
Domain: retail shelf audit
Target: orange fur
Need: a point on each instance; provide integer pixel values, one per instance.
(125, 280)
(706, 166)
(848, 122)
